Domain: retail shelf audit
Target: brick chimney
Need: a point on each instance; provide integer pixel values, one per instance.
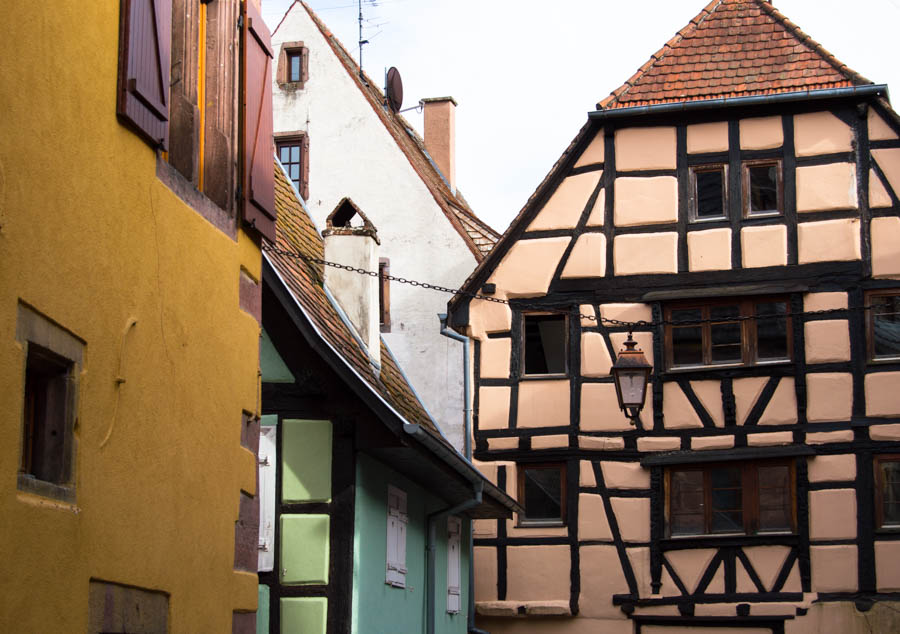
(440, 136)
(352, 240)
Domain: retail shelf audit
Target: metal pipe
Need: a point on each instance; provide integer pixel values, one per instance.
(467, 385)
(431, 547)
(755, 100)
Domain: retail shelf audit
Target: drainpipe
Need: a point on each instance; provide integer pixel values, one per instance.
(431, 546)
(467, 451)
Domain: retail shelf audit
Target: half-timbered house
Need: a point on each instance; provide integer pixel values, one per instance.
(734, 205)
(364, 503)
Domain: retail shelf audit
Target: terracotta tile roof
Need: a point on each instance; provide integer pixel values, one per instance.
(477, 234)
(295, 232)
(733, 48)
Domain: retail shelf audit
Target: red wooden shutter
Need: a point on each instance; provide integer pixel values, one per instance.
(259, 147)
(144, 58)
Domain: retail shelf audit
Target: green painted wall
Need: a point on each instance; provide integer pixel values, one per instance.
(271, 365)
(304, 615)
(377, 607)
(304, 549)
(305, 460)
(262, 610)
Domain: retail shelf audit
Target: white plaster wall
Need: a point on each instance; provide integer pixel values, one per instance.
(352, 154)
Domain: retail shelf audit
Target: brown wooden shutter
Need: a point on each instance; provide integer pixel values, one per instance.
(281, 75)
(145, 40)
(304, 65)
(259, 148)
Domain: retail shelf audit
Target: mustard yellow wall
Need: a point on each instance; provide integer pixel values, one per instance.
(91, 238)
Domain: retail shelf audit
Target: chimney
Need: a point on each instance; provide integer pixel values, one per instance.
(440, 136)
(352, 240)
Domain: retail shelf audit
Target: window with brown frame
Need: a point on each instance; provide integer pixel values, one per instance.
(293, 152)
(384, 294)
(542, 492)
(544, 344)
(883, 321)
(887, 491)
(728, 332)
(762, 188)
(293, 65)
(736, 497)
(709, 200)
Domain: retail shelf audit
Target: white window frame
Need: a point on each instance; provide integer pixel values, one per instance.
(454, 531)
(397, 521)
(266, 460)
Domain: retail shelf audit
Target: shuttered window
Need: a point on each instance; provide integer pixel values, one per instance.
(267, 460)
(397, 521)
(454, 528)
(144, 52)
(259, 178)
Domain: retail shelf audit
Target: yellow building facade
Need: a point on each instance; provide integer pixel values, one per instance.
(128, 347)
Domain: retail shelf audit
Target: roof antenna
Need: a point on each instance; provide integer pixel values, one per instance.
(361, 40)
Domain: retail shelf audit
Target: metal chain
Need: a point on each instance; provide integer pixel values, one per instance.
(640, 324)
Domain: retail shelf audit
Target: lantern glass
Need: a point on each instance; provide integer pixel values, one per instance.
(631, 386)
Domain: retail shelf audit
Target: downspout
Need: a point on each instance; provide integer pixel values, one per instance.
(467, 452)
(431, 547)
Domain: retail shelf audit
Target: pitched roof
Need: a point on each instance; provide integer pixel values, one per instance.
(296, 233)
(733, 48)
(477, 234)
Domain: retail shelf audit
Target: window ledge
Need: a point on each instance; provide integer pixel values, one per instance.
(195, 199)
(540, 524)
(523, 608)
(29, 484)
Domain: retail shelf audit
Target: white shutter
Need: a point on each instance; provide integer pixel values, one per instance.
(454, 526)
(266, 460)
(397, 520)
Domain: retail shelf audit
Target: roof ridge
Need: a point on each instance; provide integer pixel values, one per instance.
(441, 192)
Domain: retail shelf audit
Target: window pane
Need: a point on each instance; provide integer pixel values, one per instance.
(295, 68)
(687, 341)
(774, 497)
(886, 325)
(727, 500)
(763, 188)
(284, 154)
(545, 344)
(295, 154)
(295, 172)
(771, 330)
(891, 477)
(686, 503)
(726, 338)
(543, 493)
(710, 194)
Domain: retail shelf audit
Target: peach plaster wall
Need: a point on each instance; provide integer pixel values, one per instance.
(761, 133)
(645, 148)
(645, 200)
(829, 240)
(826, 187)
(593, 153)
(821, 133)
(707, 137)
(528, 267)
(886, 247)
(566, 204)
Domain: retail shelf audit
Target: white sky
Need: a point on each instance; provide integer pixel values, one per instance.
(526, 72)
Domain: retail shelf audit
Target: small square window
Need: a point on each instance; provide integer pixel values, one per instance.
(544, 344)
(883, 324)
(542, 492)
(708, 193)
(887, 488)
(762, 188)
(293, 66)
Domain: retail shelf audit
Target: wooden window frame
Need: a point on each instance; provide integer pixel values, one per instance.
(565, 319)
(870, 325)
(523, 520)
(749, 351)
(779, 187)
(879, 491)
(300, 138)
(749, 496)
(694, 197)
(384, 294)
(283, 72)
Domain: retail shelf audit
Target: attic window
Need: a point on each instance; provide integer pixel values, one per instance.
(293, 65)
(544, 344)
(762, 188)
(708, 193)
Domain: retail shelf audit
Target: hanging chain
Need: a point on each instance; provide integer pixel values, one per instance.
(640, 324)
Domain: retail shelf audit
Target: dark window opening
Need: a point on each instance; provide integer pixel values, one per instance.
(384, 294)
(884, 324)
(887, 485)
(727, 332)
(762, 188)
(544, 348)
(708, 199)
(542, 491)
(744, 498)
(46, 440)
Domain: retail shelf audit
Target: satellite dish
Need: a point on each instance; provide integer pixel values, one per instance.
(394, 89)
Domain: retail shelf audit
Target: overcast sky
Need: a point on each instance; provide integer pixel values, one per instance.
(526, 72)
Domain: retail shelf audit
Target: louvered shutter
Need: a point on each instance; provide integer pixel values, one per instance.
(259, 149)
(145, 41)
(396, 538)
(454, 527)
(267, 460)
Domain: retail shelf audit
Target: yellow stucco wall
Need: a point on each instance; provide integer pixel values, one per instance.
(91, 238)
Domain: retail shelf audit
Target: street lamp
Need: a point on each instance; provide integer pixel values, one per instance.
(631, 373)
